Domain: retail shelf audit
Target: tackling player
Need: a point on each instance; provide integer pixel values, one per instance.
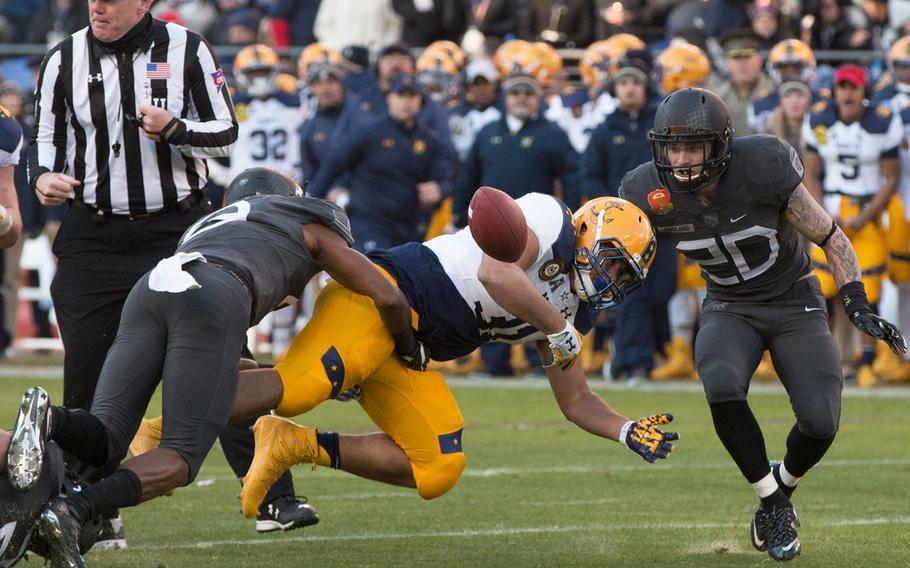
(735, 207)
(10, 145)
(186, 321)
(461, 299)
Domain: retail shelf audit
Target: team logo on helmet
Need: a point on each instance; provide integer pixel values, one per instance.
(659, 200)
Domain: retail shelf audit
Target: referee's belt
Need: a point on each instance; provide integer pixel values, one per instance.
(185, 204)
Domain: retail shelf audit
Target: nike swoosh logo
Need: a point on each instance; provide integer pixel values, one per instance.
(735, 219)
(755, 538)
(792, 544)
(808, 309)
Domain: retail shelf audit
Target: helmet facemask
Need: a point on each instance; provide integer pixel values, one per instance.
(715, 150)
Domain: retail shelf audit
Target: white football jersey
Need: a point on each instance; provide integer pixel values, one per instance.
(851, 153)
(269, 134)
(900, 105)
(460, 257)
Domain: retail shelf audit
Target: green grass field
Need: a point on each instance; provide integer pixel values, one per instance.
(540, 492)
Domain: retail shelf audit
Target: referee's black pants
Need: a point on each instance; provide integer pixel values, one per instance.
(99, 259)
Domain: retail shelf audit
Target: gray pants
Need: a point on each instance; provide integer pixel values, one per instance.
(794, 326)
(189, 340)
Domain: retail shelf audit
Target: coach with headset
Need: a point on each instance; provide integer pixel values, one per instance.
(618, 145)
(127, 111)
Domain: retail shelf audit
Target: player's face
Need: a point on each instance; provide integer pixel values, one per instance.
(849, 100)
(522, 102)
(790, 71)
(404, 106)
(482, 92)
(686, 153)
(111, 19)
(630, 93)
(329, 92)
(902, 72)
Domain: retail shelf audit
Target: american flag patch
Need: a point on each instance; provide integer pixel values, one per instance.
(158, 70)
(218, 77)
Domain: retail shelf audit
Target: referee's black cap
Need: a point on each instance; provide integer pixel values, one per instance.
(261, 181)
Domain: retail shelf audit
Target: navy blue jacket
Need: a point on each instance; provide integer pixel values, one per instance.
(618, 145)
(386, 162)
(317, 137)
(527, 162)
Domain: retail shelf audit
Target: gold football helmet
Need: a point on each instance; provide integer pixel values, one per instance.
(512, 56)
(791, 60)
(316, 53)
(614, 248)
(451, 49)
(899, 61)
(255, 70)
(437, 74)
(681, 66)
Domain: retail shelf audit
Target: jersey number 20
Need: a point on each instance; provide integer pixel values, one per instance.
(724, 252)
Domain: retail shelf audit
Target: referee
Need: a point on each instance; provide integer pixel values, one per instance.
(127, 111)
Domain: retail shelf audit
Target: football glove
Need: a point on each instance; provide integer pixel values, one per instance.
(349, 395)
(879, 328)
(645, 439)
(565, 347)
(411, 350)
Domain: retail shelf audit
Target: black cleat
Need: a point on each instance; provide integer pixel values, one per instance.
(758, 531)
(25, 455)
(783, 542)
(60, 533)
(286, 514)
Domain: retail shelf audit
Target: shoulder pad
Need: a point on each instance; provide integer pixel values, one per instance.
(824, 93)
(883, 111)
(822, 114)
(876, 120)
(329, 215)
(10, 132)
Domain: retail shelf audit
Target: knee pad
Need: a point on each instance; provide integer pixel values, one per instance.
(820, 422)
(440, 476)
(720, 382)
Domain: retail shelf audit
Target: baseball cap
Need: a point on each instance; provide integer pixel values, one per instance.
(851, 73)
(481, 68)
(399, 47)
(356, 55)
(404, 82)
(518, 80)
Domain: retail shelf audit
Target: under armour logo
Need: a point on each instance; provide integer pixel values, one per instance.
(92, 78)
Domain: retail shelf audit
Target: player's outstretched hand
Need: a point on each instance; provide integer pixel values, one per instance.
(645, 439)
(880, 328)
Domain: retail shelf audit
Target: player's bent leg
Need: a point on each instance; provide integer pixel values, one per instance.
(342, 344)
(417, 410)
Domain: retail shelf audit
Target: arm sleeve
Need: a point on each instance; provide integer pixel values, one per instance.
(211, 128)
(47, 147)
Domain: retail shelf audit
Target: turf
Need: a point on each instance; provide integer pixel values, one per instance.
(540, 492)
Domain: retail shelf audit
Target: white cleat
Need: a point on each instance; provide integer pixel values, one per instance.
(25, 455)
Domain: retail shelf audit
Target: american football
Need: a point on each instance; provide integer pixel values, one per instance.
(497, 224)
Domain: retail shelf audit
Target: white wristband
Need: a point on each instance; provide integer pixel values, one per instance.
(6, 221)
(624, 432)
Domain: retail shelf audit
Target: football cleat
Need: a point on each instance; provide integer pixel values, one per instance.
(785, 489)
(111, 534)
(280, 444)
(758, 531)
(783, 542)
(60, 533)
(285, 514)
(25, 455)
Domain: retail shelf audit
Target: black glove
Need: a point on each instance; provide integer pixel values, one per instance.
(857, 307)
(648, 441)
(411, 350)
(879, 328)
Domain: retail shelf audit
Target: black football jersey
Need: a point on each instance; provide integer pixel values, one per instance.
(261, 238)
(746, 248)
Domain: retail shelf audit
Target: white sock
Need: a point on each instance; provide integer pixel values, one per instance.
(765, 486)
(788, 478)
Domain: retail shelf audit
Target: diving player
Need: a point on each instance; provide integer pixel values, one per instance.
(10, 145)
(461, 299)
(735, 206)
(186, 321)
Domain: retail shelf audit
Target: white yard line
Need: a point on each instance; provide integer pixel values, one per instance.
(499, 532)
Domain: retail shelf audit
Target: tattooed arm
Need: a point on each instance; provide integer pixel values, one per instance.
(810, 219)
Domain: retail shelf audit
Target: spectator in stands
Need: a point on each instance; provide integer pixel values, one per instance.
(293, 21)
(426, 21)
(787, 119)
(561, 23)
(397, 169)
(216, 31)
(766, 24)
(745, 81)
(58, 19)
(493, 21)
(697, 20)
(18, 16)
(481, 105)
(243, 28)
(345, 22)
(197, 15)
(835, 25)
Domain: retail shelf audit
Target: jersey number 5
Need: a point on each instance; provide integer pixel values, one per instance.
(724, 253)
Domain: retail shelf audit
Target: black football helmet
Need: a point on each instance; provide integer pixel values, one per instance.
(691, 115)
(260, 181)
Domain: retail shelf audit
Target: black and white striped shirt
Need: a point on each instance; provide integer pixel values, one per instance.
(86, 99)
